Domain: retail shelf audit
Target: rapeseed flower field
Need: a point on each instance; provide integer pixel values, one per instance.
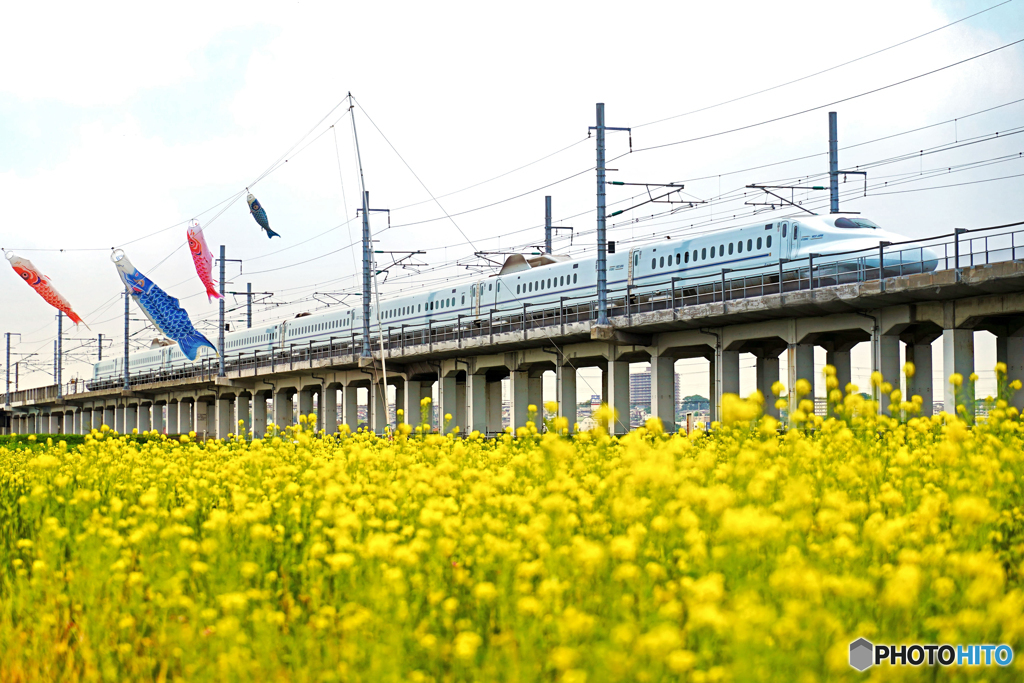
(752, 553)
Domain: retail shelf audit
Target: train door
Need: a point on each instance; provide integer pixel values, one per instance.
(784, 233)
(634, 264)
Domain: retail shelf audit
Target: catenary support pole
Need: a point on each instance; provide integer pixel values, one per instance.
(60, 351)
(833, 161)
(99, 345)
(220, 334)
(248, 305)
(602, 244)
(547, 224)
(367, 293)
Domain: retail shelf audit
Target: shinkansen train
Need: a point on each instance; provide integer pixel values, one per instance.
(755, 250)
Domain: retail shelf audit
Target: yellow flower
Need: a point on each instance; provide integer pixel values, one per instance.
(956, 379)
(909, 369)
(778, 388)
(1000, 368)
(876, 379)
(803, 387)
(551, 407)
(974, 377)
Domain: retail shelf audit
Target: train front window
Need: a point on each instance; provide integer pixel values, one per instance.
(854, 223)
(785, 229)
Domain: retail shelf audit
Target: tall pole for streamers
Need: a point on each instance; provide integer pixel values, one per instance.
(124, 360)
(60, 351)
(367, 254)
(602, 241)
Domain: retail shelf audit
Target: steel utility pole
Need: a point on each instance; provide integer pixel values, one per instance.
(7, 367)
(367, 255)
(833, 162)
(99, 343)
(60, 351)
(124, 360)
(248, 305)
(547, 224)
(602, 240)
(220, 338)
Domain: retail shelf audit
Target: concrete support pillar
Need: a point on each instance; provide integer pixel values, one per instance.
(131, 417)
(158, 418)
(767, 372)
(618, 388)
(461, 418)
(243, 402)
(259, 415)
(958, 356)
(284, 412)
(520, 394)
(378, 406)
(54, 425)
(119, 415)
(96, 418)
(565, 390)
(185, 423)
(840, 360)
(205, 419)
(494, 406)
(172, 418)
(110, 416)
(889, 366)
(714, 413)
(305, 402)
(1010, 350)
(411, 402)
(427, 391)
(801, 366)
(146, 417)
(225, 418)
(448, 396)
(476, 397)
(535, 395)
(663, 391)
(330, 410)
(350, 406)
(920, 354)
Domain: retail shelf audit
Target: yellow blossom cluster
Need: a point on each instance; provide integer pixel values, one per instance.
(752, 553)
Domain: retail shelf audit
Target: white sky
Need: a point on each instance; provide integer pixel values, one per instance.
(118, 121)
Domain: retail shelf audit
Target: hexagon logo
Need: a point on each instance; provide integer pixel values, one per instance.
(861, 654)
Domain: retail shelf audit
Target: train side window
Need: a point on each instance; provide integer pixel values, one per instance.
(694, 255)
(499, 286)
(678, 259)
(549, 283)
(419, 308)
(529, 286)
(785, 228)
(686, 259)
(730, 248)
(636, 260)
(661, 263)
(758, 242)
(654, 263)
(561, 281)
(768, 241)
(703, 253)
(463, 298)
(574, 278)
(794, 232)
(517, 289)
(750, 244)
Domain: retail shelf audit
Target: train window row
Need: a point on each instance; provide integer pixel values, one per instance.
(542, 284)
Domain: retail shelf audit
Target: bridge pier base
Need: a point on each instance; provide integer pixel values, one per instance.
(378, 408)
(448, 397)
(119, 418)
(663, 391)
(411, 402)
(350, 406)
(494, 404)
(565, 388)
(618, 395)
(172, 418)
(205, 419)
(306, 403)
(185, 416)
(225, 418)
(1010, 350)
(259, 415)
(284, 411)
(519, 385)
(330, 409)
(242, 419)
(889, 366)
(146, 417)
(158, 418)
(131, 417)
(767, 371)
(54, 424)
(476, 396)
(920, 384)
(958, 356)
(801, 366)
